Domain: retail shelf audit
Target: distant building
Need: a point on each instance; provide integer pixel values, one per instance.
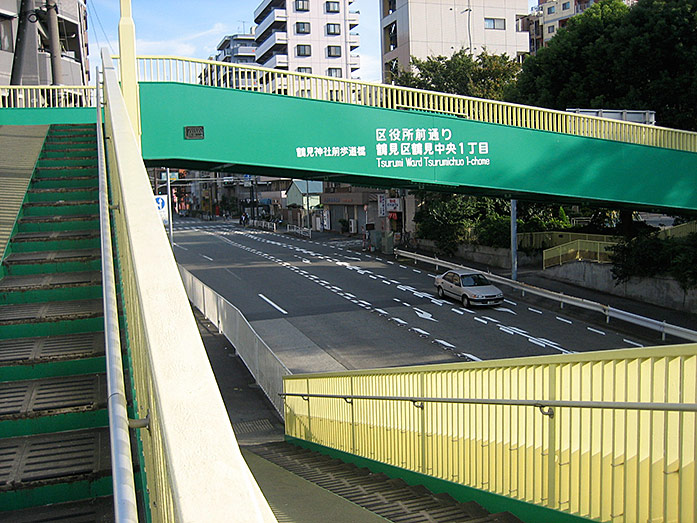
(237, 49)
(307, 36)
(36, 58)
(424, 28)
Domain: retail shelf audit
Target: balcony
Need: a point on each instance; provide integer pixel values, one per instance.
(277, 61)
(262, 11)
(354, 41)
(354, 62)
(276, 17)
(353, 18)
(279, 38)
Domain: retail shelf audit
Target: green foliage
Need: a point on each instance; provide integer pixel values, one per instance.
(443, 218)
(646, 256)
(615, 57)
(486, 76)
(494, 231)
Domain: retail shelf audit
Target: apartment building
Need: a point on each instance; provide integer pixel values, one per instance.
(307, 36)
(424, 28)
(237, 49)
(34, 68)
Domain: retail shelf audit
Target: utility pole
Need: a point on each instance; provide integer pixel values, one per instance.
(25, 65)
(54, 42)
(514, 240)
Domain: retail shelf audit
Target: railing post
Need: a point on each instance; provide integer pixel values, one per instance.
(127, 66)
(552, 441)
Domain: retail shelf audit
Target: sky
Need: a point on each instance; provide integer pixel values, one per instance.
(194, 28)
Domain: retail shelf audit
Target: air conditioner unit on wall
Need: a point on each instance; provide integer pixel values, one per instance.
(353, 226)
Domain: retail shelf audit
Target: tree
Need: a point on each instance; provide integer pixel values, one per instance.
(486, 76)
(615, 57)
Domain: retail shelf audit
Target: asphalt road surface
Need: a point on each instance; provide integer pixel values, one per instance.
(366, 310)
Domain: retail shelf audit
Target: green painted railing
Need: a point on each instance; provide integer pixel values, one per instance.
(46, 96)
(577, 250)
(252, 78)
(609, 436)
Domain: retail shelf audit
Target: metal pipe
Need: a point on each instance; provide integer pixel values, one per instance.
(54, 42)
(541, 404)
(125, 506)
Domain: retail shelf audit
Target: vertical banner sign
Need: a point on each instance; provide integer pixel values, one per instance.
(382, 205)
(161, 202)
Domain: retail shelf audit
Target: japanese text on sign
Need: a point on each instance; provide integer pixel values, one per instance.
(334, 151)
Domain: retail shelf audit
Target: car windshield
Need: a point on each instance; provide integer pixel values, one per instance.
(474, 280)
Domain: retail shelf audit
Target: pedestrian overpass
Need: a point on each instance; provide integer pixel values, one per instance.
(608, 436)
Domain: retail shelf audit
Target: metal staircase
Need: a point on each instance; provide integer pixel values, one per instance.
(54, 442)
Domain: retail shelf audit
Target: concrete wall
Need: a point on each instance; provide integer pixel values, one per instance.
(491, 256)
(665, 292)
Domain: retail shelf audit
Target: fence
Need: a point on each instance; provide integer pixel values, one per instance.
(252, 78)
(547, 239)
(607, 435)
(261, 224)
(597, 251)
(302, 231)
(679, 230)
(190, 453)
(263, 364)
(45, 96)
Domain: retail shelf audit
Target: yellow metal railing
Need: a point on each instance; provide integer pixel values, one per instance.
(547, 239)
(619, 445)
(577, 250)
(46, 96)
(193, 465)
(252, 78)
(679, 230)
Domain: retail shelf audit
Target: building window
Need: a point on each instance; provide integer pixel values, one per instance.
(551, 10)
(5, 34)
(302, 5)
(391, 70)
(302, 28)
(335, 72)
(331, 7)
(390, 6)
(333, 29)
(333, 51)
(565, 6)
(303, 50)
(495, 23)
(306, 70)
(550, 29)
(390, 39)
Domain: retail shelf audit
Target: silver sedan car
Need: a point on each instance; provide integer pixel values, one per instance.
(471, 288)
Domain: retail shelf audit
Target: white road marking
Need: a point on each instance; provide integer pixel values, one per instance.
(510, 302)
(480, 320)
(381, 312)
(432, 275)
(457, 311)
(206, 257)
(235, 275)
(565, 320)
(595, 330)
(505, 309)
(506, 330)
(417, 271)
(406, 288)
(632, 342)
(397, 300)
(373, 277)
(534, 310)
(468, 355)
(402, 266)
(536, 342)
(399, 322)
(182, 248)
(490, 319)
(467, 310)
(420, 332)
(424, 315)
(272, 304)
(386, 282)
(394, 281)
(445, 344)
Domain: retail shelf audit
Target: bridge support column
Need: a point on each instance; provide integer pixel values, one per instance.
(514, 240)
(127, 66)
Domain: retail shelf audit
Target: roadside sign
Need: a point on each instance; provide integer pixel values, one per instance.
(161, 203)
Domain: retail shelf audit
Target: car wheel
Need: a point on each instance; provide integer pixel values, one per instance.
(465, 301)
(440, 292)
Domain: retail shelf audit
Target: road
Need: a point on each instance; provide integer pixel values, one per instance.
(365, 310)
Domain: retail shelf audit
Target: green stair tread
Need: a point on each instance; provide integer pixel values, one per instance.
(60, 190)
(98, 510)
(51, 348)
(61, 203)
(28, 313)
(61, 457)
(50, 396)
(51, 280)
(69, 235)
(59, 256)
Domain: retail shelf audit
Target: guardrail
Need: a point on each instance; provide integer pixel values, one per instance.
(564, 299)
(678, 231)
(261, 224)
(576, 250)
(190, 453)
(125, 505)
(260, 360)
(608, 436)
(253, 78)
(302, 231)
(46, 96)
(547, 239)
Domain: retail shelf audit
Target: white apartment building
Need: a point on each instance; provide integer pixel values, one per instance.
(424, 28)
(307, 36)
